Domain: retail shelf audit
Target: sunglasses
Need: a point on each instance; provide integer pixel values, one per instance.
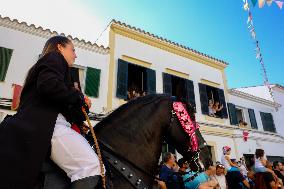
(220, 166)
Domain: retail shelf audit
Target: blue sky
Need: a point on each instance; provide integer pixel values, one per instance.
(214, 27)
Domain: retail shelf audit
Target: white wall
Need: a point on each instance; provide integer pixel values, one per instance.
(279, 115)
(26, 49)
(241, 102)
(221, 141)
(160, 60)
(273, 145)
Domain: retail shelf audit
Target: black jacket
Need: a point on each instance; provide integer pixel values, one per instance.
(25, 137)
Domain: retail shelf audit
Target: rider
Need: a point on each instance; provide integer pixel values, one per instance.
(48, 104)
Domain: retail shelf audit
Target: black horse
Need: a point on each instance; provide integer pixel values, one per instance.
(131, 141)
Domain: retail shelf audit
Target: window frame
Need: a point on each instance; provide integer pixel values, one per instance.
(82, 83)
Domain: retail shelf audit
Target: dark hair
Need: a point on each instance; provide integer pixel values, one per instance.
(259, 153)
(275, 164)
(167, 157)
(50, 46)
(52, 43)
(220, 166)
(181, 161)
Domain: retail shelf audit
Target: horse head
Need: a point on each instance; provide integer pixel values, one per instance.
(184, 135)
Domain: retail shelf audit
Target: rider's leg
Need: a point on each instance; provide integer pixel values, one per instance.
(72, 153)
(86, 183)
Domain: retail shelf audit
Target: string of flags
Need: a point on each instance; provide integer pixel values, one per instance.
(252, 31)
(261, 3)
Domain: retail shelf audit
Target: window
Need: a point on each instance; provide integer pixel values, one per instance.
(182, 88)
(237, 115)
(134, 80)
(5, 57)
(75, 78)
(212, 101)
(267, 122)
(240, 115)
(86, 79)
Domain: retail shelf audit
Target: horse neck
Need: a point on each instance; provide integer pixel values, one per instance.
(139, 136)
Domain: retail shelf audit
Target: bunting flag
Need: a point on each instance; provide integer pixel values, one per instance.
(269, 2)
(279, 4)
(253, 2)
(261, 3)
(16, 96)
(252, 31)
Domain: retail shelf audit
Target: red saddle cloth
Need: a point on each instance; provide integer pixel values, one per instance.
(76, 128)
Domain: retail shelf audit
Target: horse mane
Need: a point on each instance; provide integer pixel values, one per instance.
(130, 106)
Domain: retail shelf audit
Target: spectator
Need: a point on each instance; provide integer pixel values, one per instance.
(226, 160)
(243, 124)
(210, 108)
(217, 107)
(202, 180)
(270, 181)
(220, 177)
(168, 175)
(183, 166)
(276, 169)
(243, 168)
(235, 180)
(160, 184)
(218, 162)
(261, 162)
(282, 167)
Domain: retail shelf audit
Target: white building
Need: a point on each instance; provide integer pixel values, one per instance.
(26, 43)
(140, 61)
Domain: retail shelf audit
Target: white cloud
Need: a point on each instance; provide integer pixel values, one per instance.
(64, 16)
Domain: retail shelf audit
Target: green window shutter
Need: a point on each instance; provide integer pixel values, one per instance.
(190, 95)
(267, 122)
(92, 82)
(122, 79)
(252, 119)
(167, 83)
(203, 98)
(223, 102)
(5, 57)
(151, 81)
(233, 114)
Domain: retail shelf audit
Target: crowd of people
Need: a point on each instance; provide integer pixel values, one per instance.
(226, 174)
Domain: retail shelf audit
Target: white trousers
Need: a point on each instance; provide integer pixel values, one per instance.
(72, 153)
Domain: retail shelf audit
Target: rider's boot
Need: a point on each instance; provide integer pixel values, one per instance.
(86, 183)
